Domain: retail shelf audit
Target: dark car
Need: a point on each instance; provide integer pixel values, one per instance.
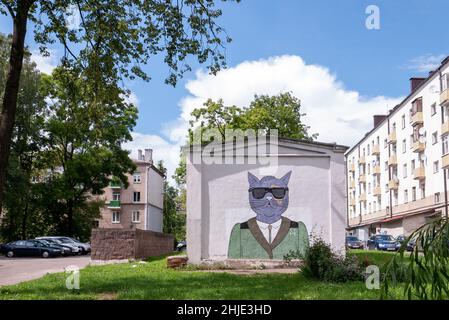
(64, 249)
(384, 242)
(410, 244)
(29, 248)
(181, 246)
(352, 242)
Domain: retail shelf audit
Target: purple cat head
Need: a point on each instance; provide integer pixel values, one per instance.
(268, 196)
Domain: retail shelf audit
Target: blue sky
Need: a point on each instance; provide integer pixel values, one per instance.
(370, 67)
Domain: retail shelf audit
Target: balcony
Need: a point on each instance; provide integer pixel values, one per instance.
(393, 160)
(418, 146)
(351, 167)
(351, 184)
(377, 191)
(393, 185)
(362, 160)
(114, 204)
(445, 128)
(444, 97)
(419, 173)
(376, 169)
(392, 137)
(115, 185)
(416, 118)
(376, 150)
(362, 197)
(362, 178)
(445, 161)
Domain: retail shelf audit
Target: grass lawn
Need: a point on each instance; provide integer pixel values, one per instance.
(154, 281)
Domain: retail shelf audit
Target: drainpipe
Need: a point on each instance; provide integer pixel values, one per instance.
(389, 173)
(444, 170)
(347, 192)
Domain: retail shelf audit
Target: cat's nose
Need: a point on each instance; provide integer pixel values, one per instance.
(269, 198)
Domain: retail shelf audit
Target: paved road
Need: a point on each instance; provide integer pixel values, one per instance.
(15, 270)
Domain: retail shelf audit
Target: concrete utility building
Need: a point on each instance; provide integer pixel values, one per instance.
(263, 208)
(397, 174)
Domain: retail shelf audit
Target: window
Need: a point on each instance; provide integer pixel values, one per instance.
(395, 197)
(422, 188)
(403, 121)
(436, 166)
(412, 139)
(433, 109)
(404, 171)
(437, 197)
(414, 194)
(445, 81)
(115, 217)
(369, 169)
(386, 165)
(434, 137)
(368, 150)
(444, 142)
(413, 165)
(405, 196)
(385, 143)
(116, 196)
(369, 188)
(386, 188)
(136, 177)
(404, 146)
(136, 197)
(136, 216)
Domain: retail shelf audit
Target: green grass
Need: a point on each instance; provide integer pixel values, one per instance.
(154, 281)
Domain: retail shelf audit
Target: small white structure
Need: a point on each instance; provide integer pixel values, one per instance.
(223, 211)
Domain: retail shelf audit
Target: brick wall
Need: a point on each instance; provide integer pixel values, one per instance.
(111, 244)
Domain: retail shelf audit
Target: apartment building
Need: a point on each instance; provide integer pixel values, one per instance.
(397, 174)
(141, 204)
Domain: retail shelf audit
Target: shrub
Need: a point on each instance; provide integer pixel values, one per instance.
(324, 264)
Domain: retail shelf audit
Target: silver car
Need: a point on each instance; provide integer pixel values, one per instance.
(74, 248)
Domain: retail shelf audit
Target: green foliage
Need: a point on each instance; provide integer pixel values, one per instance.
(324, 264)
(174, 218)
(281, 112)
(425, 272)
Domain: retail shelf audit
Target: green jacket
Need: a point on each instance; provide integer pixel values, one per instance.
(248, 242)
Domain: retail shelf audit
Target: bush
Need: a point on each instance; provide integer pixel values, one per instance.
(324, 264)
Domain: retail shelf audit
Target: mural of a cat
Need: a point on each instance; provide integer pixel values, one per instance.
(268, 235)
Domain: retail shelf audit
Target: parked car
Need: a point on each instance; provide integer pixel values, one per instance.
(73, 249)
(181, 246)
(83, 247)
(30, 248)
(410, 245)
(353, 242)
(383, 242)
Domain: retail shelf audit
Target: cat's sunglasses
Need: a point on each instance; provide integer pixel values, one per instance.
(259, 193)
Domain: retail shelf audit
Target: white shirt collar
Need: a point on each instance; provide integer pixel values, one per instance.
(264, 225)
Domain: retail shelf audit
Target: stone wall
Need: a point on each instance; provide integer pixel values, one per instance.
(117, 244)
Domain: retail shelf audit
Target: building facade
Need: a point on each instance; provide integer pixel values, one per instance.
(264, 202)
(141, 204)
(397, 174)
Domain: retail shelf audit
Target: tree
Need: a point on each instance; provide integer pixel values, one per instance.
(21, 215)
(84, 130)
(281, 112)
(174, 221)
(113, 41)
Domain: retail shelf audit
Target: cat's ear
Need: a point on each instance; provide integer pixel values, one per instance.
(252, 179)
(286, 178)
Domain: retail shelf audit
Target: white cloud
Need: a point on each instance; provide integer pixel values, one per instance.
(45, 64)
(132, 98)
(334, 112)
(424, 63)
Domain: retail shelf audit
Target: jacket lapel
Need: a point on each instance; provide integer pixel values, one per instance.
(258, 235)
(283, 230)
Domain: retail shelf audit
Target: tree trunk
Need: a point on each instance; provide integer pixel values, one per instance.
(9, 105)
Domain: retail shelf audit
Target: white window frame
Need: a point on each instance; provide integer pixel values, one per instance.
(115, 215)
(116, 196)
(134, 213)
(436, 166)
(136, 194)
(137, 178)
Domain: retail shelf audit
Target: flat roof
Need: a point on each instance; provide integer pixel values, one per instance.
(402, 103)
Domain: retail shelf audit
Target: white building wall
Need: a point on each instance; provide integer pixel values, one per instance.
(434, 179)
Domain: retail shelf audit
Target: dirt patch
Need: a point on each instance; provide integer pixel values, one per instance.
(107, 296)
